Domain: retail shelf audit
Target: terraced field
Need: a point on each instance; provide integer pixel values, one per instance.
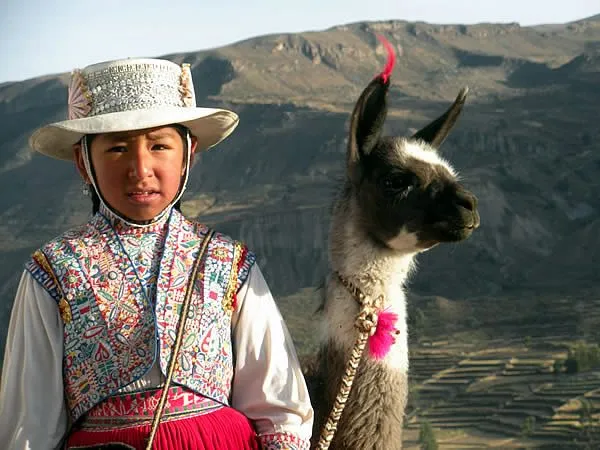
(501, 396)
(503, 392)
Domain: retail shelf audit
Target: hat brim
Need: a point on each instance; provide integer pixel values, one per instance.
(209, 125)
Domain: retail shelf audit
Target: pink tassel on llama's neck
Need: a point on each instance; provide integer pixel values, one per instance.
(385, 334)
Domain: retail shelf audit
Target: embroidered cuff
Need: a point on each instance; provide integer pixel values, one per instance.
(282, 441)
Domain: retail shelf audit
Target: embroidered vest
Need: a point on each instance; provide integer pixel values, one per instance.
(111, 328)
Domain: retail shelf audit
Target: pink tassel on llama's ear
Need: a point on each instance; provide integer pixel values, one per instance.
(385, 334)
(391, 60)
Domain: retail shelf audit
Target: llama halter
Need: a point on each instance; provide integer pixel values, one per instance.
(378, 322)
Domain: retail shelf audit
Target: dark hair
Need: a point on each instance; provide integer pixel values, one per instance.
(183, 131)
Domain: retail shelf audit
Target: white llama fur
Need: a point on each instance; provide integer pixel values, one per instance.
(425, 153)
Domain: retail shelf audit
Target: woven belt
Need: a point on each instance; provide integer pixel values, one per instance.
(134, 409)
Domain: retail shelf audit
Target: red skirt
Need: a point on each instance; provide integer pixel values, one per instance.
(190, 422)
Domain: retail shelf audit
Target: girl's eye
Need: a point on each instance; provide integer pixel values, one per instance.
(117, 149)
(159, 147)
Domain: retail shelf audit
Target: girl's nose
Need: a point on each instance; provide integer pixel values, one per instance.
(140, 164)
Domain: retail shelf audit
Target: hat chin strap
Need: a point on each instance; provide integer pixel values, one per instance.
(87, 162)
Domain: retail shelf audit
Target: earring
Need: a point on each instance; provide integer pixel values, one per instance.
(86, 189)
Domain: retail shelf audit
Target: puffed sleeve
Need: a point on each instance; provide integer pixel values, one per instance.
(33, 415)
(268, 385)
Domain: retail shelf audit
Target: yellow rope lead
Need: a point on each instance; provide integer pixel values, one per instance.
(366, 323)
(330, 426)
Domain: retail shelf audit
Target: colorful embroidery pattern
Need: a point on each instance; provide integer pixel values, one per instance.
(44, 271)
(205, 361)
(39, 267)
(126, 410)
(107, 281)
(282, 441)
(228, 301)
(143, 246)
(109, 343)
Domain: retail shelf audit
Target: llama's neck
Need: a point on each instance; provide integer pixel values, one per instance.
(375, 270)
(356, 256)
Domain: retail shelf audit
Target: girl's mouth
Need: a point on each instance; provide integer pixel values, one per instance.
(143, 197)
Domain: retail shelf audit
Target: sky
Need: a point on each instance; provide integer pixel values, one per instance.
(42, 37)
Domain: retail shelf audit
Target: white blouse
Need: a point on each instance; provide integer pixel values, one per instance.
(268, 386)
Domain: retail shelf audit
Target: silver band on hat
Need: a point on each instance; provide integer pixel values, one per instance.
(123, 86)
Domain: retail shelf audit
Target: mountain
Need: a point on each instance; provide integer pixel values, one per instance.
(526, 144)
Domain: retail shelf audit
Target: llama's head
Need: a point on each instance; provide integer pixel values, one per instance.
(409, 198)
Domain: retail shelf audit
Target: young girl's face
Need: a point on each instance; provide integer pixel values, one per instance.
(138, 172)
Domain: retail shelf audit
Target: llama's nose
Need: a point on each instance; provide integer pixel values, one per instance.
(466, 200)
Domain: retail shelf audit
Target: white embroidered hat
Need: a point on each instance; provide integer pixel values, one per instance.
(132, 94)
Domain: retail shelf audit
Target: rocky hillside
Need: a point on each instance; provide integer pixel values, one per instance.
(527, 145)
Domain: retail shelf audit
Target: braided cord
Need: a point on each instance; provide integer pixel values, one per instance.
(330, 426)
(180, 331)
(366, 323)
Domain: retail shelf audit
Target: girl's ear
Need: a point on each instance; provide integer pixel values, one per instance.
(78, 153)
(193, 147)
(194, 140)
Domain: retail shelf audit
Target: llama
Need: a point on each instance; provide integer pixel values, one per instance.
(399, 198)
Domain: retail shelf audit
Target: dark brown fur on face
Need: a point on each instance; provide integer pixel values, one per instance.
(399, 192)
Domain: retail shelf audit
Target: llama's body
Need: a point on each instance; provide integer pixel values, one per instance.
(399, 199)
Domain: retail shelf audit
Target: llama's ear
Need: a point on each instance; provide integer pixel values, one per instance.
(370, 111)
(367, 120)
(437, 131)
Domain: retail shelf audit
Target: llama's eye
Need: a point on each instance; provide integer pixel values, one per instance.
(397, 182)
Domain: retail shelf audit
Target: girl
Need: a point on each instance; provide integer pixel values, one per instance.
(97, 313)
